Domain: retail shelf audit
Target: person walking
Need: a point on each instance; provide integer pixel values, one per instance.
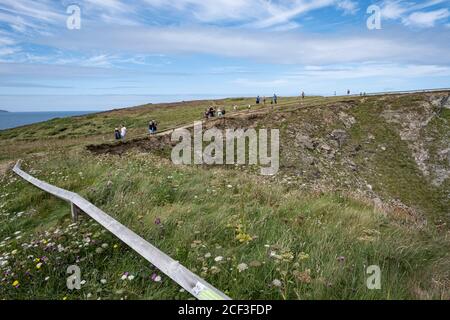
(303, 94)
(117, 135)
(123, 132)
(152, 127)
(275, 99)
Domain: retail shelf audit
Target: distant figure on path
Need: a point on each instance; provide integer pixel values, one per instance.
(348, 92)
(152, 127)
(275, 99)
(123, 132)
(264, 100)
(117, 135)
(258, 99)
(212, 112)
(303, 94)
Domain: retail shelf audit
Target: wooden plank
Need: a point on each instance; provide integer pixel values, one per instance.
(192, 283)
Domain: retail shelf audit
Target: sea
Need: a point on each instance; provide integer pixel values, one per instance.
(10, 120)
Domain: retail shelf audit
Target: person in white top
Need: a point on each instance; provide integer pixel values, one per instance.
(123, 132)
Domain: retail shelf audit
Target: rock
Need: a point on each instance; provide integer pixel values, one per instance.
(325, 147)
(340, 136)
(305, 141)
(347, 120)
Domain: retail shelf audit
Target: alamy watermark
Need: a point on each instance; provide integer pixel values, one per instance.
(74, 280)
(374, 20)
(373, 282)
(228, 147)
(73, 21)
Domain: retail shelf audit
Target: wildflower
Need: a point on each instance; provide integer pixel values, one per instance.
(242, 267)
(65, 298)
(156, 278)
(103, 281)
(276, 283)
(39, 265)
(104, 245)
(303, 256)
(218, 259)
(158, 221)
(230, 186)
(98, 250)
(124, 277)
(208, 255)
(116, 246)
(83, 282)
(304, 276)
(16, 284)
(46, 278)
(130, 277)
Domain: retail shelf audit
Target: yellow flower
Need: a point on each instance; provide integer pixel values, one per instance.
(39, 265)
(15, 283)
(115, 246)
(65, 298)
(303, 256)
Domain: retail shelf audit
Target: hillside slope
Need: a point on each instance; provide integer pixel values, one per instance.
(363, 181)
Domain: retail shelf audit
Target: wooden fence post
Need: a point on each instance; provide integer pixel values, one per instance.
(75, 211)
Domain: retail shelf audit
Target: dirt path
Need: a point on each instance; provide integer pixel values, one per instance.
(4, 167)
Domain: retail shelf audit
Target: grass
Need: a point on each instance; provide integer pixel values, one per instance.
(275, 241)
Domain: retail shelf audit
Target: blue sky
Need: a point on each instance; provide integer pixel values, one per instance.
(133, 52)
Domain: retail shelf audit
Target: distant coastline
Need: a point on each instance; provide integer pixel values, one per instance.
(9, 120)
(3, 111)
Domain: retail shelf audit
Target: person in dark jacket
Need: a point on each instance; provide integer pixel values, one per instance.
(117, 135)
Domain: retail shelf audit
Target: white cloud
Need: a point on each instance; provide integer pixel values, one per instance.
(410, 13)
(280, 48)
(348, 6)
(426, 19)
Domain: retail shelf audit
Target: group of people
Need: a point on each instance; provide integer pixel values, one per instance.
(121, 133)
(263, 99)
(211, 112)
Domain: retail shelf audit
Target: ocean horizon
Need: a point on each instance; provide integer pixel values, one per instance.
(10, 120)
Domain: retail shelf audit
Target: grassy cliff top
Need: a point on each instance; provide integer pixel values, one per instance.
(377, 195)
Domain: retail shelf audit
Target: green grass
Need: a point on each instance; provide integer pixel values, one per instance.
(201, 214)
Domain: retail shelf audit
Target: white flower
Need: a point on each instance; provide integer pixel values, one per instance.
(130, 277)
(276, 283)
(229, 186)
(83, 282)
(157, 279)
(103, 281)
(208, 255)
(242, 267)
(46, 278)
(218, 259)
(105, 245)
(124, 277)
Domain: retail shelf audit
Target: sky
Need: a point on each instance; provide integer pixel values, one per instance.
(104, 54)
